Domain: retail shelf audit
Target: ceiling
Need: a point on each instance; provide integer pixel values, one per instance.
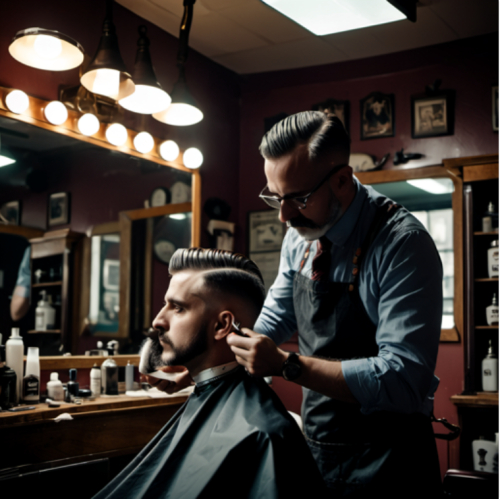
(247, 36)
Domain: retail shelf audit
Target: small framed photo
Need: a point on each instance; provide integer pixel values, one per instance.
(58, 210)
(339, 108)
(432, 115)
(377, 116)
(11, 212)
(494, 108)
(265, 231)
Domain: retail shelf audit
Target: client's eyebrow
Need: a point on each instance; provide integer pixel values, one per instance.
(177, 302)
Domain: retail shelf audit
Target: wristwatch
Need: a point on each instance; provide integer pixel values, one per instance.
(291, 367)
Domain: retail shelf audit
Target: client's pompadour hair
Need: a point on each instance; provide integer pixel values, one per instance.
(322, 132)
(224, 271)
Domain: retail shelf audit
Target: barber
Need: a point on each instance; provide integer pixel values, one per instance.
(360, 279)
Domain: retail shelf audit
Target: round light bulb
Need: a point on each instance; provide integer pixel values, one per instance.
(47, 47)
(169, 150)
(88, 124)
(144, 142)
(116, 134)
(56, 112)
(17, 101)
(192, 158)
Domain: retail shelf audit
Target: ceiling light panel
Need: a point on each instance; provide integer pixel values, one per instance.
(324, 17)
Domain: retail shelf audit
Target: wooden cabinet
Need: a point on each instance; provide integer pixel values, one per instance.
(478, 410)
(55, 271)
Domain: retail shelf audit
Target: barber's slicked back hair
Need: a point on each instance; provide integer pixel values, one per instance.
(322, 132)
(225, 271)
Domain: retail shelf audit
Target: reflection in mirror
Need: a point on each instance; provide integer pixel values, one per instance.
(430, 201)
(104, 284)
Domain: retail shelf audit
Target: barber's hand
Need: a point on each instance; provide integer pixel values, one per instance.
(182, 380)
(257, 353)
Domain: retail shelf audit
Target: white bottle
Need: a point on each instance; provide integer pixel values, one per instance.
(489, 368)
(483, 455)
(55, 390)
(492, 312)
(31, 381)
(95, 381)
(493, 259)
(14, 352)
(45, 314)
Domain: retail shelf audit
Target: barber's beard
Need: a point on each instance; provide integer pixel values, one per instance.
(309, 230)
(177, 356)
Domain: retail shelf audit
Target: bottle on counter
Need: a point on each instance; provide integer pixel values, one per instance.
(55, 389)
(493, 259)
(95, 381)
(109, 374)
(485, 454)
(8, 383)
(72, 385)
(14, 356)
(489, 368)
(31, 381)
(492, 312)
(129, 376)
(45, 314)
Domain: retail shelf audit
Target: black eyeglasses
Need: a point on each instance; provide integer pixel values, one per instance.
(299, 202)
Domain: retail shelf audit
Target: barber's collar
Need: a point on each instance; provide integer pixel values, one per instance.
(214, 372)
(342, 230)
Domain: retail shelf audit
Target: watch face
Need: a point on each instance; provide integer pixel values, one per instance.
(291, 371)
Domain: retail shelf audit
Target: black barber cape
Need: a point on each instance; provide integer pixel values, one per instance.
(232, 438)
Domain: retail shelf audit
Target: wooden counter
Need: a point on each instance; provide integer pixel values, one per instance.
(104, 427)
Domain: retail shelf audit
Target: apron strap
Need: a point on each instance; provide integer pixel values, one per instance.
(304, 258)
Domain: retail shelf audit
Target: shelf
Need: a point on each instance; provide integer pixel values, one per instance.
(45, 284)
(486, 233)
(486, 327)
(36, 331)
(480, 399)
(487, 279)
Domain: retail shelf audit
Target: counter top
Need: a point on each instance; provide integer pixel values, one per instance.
(42, 412)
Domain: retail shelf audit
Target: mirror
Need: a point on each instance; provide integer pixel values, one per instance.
(433, 196)
(102, 181)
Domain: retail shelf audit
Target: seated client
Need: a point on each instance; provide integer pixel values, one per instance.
(233, 437)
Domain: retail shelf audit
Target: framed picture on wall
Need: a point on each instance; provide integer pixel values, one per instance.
(432, 115)
(11, 212)
(339, 108)
(58, 209)
(265, 231)
(377, 116)
(494, 108)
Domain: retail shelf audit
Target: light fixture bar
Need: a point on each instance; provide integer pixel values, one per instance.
(325, 17)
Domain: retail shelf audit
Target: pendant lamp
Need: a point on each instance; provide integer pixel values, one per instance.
(148, 97)
(107, 74)
(183, 111)
(46, 49)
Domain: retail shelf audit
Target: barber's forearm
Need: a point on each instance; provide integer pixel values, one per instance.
(325, 377)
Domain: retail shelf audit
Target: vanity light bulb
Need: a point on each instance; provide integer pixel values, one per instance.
(17, 101)
(192, 158)
(56, 112)
(88, 124)
(47, 47)
(144, 142)
(116, 134)
(169, 150)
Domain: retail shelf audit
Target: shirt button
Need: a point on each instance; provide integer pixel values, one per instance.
(355, 271)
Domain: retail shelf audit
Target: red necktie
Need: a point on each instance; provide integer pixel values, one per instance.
(322, 260)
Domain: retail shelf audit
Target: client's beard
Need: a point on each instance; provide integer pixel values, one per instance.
(178, 356)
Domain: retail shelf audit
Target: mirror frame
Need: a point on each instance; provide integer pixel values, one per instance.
(455, 175)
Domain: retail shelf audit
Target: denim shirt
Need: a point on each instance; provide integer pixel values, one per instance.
(400, 285)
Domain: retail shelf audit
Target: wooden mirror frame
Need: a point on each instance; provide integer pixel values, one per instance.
(126, 220)
(455, 175)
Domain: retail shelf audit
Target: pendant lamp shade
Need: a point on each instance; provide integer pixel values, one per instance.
(183, 111)
(107, 74)
(148, 97)
(46, 49)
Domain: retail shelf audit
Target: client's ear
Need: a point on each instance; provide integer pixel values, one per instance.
(224, 325)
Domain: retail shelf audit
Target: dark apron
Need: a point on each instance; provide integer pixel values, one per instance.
(389, 453)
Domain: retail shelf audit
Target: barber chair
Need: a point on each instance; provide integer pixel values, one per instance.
(460, 484)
